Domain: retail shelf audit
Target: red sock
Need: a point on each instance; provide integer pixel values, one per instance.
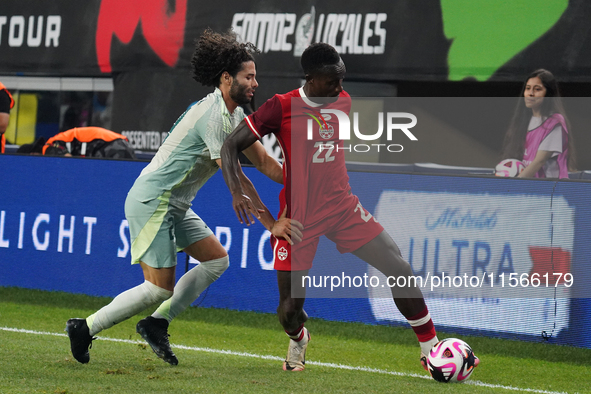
(298, 334)
(422, 325)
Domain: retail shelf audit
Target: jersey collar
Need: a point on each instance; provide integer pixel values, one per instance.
(307, 100)
(223, 107)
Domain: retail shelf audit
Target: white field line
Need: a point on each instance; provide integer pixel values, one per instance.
(275, 358)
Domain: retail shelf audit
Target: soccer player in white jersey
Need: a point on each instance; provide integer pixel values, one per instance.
(158, 206)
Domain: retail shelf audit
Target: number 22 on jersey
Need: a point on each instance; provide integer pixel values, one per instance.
(324, 151)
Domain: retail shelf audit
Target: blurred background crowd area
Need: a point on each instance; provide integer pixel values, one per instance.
(125, 66)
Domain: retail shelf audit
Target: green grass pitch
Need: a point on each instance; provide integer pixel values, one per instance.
(224, 351)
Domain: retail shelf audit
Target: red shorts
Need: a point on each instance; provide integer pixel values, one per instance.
(351, 227)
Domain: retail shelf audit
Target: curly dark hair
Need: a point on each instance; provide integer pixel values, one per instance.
(216, 53)
(318, 55)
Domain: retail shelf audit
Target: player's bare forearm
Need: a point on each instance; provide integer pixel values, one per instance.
(284, 227)
(264, 216)
(231, 167)
(266, 164)
(270, 167)
(240, 139)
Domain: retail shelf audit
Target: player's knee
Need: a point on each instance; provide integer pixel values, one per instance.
(396, 256)
(403, 267)
(155, 294)
(391, 247)
(217, 267)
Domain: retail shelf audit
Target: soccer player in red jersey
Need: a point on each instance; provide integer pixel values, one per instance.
(317, 197)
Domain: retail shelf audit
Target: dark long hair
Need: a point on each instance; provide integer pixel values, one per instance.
(514, 143)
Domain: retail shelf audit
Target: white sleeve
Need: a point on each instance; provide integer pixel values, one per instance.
(553, 141)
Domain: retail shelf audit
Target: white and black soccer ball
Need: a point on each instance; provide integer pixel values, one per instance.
(451, 360)
(509, 168)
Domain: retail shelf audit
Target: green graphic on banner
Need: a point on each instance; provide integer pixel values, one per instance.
(487, 34)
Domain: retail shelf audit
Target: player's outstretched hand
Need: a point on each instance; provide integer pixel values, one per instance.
(287, 228)
(245, 209)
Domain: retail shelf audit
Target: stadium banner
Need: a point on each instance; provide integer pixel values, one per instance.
(62, 228)
(394, 40)
(146, 46)
(475, 259)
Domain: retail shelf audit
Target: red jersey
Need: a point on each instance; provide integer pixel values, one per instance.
(314, 172)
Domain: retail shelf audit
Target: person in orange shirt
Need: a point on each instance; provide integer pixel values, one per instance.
(89, 142)
(6, 103)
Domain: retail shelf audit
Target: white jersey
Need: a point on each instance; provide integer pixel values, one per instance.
(186, 159)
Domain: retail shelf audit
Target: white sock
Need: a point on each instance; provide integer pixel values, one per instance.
(190, 286)
(426, 346)
(126, 305)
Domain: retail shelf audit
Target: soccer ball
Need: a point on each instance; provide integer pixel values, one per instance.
(451, 360)
(509, 168)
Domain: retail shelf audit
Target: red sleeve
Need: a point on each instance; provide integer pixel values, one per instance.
(267, 119)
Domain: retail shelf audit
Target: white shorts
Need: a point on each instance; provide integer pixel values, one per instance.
(159, 230)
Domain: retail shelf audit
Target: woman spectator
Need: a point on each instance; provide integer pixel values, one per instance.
(539, 132)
